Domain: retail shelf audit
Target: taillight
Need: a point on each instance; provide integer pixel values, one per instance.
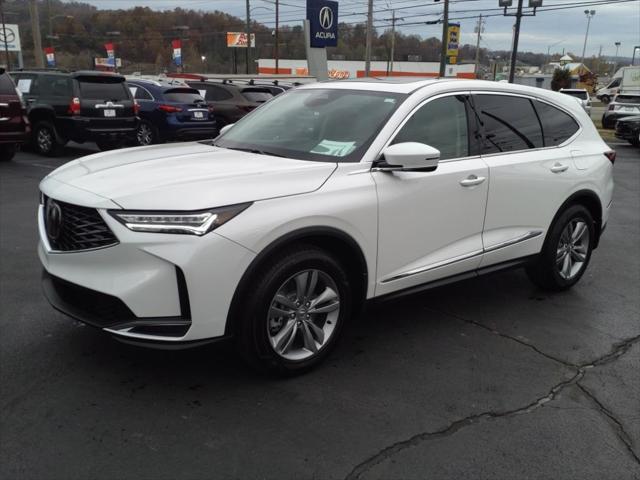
(74, 106)
(136, 107)
(169, 108)
(611, 155)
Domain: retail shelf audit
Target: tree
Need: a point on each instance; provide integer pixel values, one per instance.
(561, 79)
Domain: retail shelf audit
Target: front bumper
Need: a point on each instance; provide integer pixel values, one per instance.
(149, 288)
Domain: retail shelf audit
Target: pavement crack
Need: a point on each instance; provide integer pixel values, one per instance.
(621, 433)
(617, 350)
(512, 338)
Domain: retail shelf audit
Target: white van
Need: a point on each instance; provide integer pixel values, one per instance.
(627, 78)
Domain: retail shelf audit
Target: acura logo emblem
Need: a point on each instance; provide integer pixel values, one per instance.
(53, 220)
(326, 18)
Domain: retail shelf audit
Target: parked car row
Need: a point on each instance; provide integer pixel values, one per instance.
(51, 108)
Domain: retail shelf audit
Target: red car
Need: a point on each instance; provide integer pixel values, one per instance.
(14, 125)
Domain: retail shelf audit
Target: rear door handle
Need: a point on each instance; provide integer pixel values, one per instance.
(472, 181)
(559, 168)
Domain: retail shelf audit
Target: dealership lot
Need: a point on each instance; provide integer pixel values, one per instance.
(490, 378)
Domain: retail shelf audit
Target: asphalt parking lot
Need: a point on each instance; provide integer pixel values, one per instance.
(489, 378)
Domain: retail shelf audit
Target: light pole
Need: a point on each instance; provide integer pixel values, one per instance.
(550, 47)
(590, 14)
(615, 60)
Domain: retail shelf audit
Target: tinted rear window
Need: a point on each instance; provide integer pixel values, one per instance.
(6, 85)
(628, 99)
(183, 95)
(256, 95)
(103, 89)
(509, 123)
(581, 95)
(557, 126)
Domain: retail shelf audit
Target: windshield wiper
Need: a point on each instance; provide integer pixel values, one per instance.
(252, 150)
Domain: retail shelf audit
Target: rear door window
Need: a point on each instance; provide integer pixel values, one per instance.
(97, 88)
(214, 93)
(442, 124)
(54, 86)
(557, 126)
(183, 95)
(257, 95)
(508, 123)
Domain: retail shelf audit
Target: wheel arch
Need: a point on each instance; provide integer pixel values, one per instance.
(335, 241)
(591, 201)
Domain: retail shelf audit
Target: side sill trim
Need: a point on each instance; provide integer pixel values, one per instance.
(527, 236)
(409, 273)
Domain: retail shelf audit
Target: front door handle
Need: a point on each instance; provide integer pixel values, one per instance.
(559, 168)
(472, 181)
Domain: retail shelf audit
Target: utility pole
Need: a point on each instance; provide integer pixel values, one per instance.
(480, 29)
(590, 14)
(248, 32)
(277, 36)
(393, 19)
(445, 40)
(4, 35)
(615, 61)
(516, 38)
(516, 29)
(35, 28)
(367, 52)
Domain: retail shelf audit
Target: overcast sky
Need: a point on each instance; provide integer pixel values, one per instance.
(612, 23)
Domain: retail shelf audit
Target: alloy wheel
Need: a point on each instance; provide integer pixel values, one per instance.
(144, 134)
(573, 249)
(44, 140)
(303, 315)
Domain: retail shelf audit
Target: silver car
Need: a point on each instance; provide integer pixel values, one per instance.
(582, 95)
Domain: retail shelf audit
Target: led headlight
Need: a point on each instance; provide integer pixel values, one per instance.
(190, 223)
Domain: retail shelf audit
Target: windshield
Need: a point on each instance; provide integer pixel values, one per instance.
(328, 125)
(576, 93)
(627, 99)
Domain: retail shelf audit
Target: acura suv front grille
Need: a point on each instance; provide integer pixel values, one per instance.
(72, 228)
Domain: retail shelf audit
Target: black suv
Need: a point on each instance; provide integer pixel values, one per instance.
(80, 106)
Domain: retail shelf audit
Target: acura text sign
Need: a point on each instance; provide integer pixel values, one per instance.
(323, 23)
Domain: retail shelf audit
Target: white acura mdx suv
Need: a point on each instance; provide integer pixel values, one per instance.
(280, 229)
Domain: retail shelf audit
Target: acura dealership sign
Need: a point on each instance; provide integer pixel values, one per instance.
(323, 23)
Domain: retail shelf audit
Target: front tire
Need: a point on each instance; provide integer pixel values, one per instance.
(295, 309)
(605, 99)
(566, 251)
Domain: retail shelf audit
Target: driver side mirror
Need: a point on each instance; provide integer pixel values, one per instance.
(225, 128)
(409, 157)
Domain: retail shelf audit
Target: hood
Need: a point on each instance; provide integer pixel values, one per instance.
(189, 176)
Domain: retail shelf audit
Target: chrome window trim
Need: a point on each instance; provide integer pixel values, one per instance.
(568, 141)
(152, 99)
(450, 261)
(413, 111)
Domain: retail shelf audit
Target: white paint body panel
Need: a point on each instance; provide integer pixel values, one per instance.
(411, 227)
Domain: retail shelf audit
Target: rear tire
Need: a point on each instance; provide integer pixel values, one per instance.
(7, 152)
(566, 251)
(45, 139)
(294, 311)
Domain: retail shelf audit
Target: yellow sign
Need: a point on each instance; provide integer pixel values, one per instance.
(453, 60)
(453, 38)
